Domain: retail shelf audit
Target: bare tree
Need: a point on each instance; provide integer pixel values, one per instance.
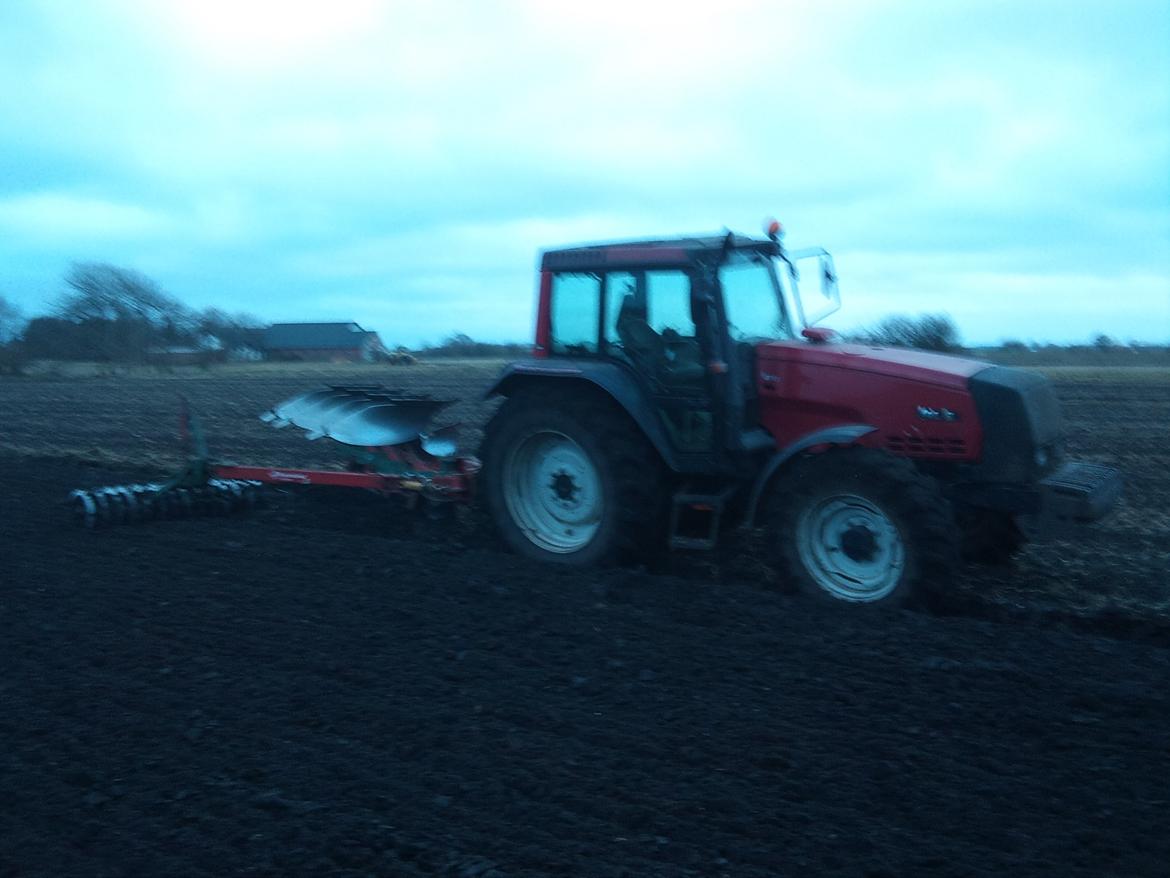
(11, 321)
(231, 329)
(120, 313)
(929, 332)
(99, 291)
(1104, 342)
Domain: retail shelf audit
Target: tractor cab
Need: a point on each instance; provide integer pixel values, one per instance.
(681, 319)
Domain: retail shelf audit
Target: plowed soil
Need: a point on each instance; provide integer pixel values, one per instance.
(309, 690)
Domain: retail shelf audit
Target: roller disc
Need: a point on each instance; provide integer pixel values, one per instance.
(102, 507)
(84, 509)
(133, 513)
(115, 508)
(124, 504)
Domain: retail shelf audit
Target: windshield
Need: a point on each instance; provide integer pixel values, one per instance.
(752, 298)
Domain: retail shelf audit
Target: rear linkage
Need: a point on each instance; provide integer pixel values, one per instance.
(397, 458)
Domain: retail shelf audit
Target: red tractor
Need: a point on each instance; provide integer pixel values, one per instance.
(677, 387)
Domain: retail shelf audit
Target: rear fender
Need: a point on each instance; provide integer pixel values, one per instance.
(842, 434)
(608, 378)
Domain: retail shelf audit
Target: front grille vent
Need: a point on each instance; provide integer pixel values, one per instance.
(926, 446)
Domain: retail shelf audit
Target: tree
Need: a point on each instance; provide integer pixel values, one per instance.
(462, 345)
(929, 332)
(12, 354)
(119, 312)
(99, 291)
(11, 321)
(1104, 343)
(233, 330)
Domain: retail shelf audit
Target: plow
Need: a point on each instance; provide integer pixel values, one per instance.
(391, 452)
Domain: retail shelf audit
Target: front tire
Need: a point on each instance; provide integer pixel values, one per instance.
(860, 526)
(571, 483)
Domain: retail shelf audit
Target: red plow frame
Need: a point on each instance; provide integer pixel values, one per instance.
(420, 467)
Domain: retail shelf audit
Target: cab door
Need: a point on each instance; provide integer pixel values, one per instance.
(646, 322)
(649, 325)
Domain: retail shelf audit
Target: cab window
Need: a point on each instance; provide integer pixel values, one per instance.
(668, 299)
(752, 299)
(575, 313)
(646, 310)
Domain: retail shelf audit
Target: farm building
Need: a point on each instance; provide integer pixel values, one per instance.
(245, 353)
(208, 349)
(183, 356)
(321, 342)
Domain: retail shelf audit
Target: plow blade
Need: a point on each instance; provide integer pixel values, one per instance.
(361, 416)
(442, 442)
(306, 405)
(382, 424)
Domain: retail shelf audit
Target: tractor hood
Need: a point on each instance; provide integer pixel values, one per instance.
(938, 369)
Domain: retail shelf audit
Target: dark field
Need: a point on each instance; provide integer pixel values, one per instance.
(313, 690)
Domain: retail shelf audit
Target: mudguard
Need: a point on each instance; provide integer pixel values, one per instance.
(610, 378)
(842, 434)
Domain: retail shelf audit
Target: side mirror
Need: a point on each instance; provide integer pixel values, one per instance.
(828, 278)
(828, 285)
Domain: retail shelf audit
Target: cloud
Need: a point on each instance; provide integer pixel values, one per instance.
(297, 155)
(62, 216)
(1069, 305)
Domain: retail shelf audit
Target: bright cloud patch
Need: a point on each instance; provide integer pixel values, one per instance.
(55, 215)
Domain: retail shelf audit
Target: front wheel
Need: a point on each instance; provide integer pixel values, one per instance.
(860, 526)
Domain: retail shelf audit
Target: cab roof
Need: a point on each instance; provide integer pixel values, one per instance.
(664, 253)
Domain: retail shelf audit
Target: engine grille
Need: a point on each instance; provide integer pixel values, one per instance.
(1020, 416)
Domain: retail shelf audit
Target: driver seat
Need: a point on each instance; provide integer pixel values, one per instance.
(648, 350)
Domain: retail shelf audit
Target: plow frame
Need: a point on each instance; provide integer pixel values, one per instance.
(385, 470)
(205, 486)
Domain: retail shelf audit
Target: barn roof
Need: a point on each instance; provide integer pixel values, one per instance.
(315, 336)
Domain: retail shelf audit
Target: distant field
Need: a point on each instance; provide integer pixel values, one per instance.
(1125, 374)
(1113, 414)
(1085, 357)
(60, 369)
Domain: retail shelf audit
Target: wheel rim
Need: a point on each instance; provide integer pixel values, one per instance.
(851, 548)
(553, 492)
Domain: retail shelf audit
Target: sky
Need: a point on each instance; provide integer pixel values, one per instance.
(401, 164)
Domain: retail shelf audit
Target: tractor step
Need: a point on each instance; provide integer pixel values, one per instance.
(695, 519)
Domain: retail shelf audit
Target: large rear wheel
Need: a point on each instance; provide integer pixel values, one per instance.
(552, 490)
(860, 526)
(571, 483)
